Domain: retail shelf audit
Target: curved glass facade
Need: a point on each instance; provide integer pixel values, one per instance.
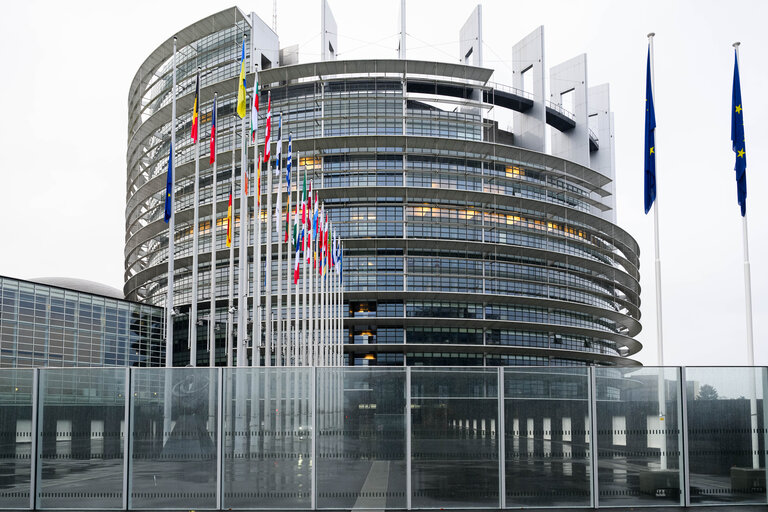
(458, 249)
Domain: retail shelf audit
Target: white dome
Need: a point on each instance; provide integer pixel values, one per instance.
(81, 285)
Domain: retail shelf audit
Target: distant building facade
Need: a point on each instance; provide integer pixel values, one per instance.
(43, 325)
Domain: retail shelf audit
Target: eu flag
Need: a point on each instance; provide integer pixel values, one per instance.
(169, 188)
(650, 127)
(737, 138)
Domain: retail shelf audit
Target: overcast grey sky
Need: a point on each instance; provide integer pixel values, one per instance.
(66, 69)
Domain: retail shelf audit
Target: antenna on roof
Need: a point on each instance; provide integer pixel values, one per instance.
(274, 16)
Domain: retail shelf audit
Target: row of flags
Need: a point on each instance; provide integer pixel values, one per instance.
(737, 140)
(314, 240)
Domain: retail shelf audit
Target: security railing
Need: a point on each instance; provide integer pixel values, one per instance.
(381, 437)
(559, 108)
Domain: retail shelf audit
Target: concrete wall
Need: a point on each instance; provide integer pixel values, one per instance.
(471, 39)
(602, 160)
(328, 33)
(528, 56)
(265, 45)
(570, 75)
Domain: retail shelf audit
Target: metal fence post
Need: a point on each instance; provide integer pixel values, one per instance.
(683, 412)
(500, 433)
(220, 438)
(592, 395)
(313, 406)
(408, 452)
(34, 457)
(128, 422)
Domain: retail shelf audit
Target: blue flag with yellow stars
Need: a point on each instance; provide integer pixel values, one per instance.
(650, 127)
(169, 187)
(737, 137)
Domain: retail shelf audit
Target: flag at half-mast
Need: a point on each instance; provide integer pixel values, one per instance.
(196, 109)
(229, 219)
(268, 129)
(255, 109)
(169, 187)
(241, 95)
(650, 144)
(212, 157)
(737, 138)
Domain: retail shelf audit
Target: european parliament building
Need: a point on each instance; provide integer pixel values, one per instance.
(467, 242)
(480, 240)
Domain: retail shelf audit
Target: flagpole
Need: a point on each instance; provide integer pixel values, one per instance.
(324, 300)
(212, 312)
(278, 226)
(171, 228)
(256, 344)
(288, 269)
(192, 336)
(341, 299)
(747, 273)
(297, 265)
(312, 333)
(305, 264)
(230, 301)
(169, 314)
(242, 301)
(661, 385)
(257, 309)
(268, 270)
(657, 258)
(748, 306)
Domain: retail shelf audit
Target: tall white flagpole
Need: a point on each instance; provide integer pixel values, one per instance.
(324, 300)
(748, 306)
(288, 267)
(278, 226)
(312, 332)
(747, 273)
(657, 258)
(231, 300)
(214, 196)
(341, 302)
(242, 300)
(337, 337)
(296, 287)
(268, 271)
(169, 314)
(256, 344)
(661, 385)
(331, 307)
(171, 227)
(192, 337)
(305, 300)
